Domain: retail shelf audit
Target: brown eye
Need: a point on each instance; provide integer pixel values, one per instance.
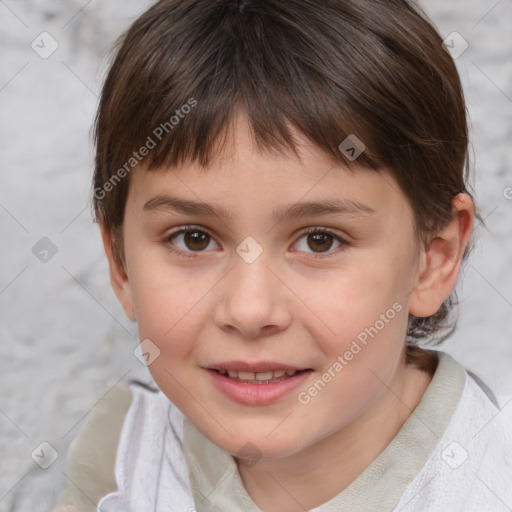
(187, 241)
(320, 242)
(196, 240)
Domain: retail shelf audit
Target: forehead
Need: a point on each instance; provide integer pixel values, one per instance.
(242, 178)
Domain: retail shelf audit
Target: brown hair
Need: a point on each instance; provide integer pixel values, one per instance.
(371, 68)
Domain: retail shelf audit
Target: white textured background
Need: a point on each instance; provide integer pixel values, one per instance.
(62, 334)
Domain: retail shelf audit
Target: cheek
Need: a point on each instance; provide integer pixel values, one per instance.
(167, 310)
(167, 306)
(360, 359)
(359, 300)
(162, 294)
(364, 322)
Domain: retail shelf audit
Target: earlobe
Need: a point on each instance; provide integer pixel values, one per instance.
(118, 275)
(440, 262)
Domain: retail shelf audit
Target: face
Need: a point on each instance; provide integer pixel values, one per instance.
(260, 290)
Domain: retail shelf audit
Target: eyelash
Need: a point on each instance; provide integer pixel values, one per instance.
(166, 241)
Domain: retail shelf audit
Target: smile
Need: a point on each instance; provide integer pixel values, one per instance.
(258, 377)
(257, 387)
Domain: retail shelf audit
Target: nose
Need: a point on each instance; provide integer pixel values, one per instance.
(253, 301)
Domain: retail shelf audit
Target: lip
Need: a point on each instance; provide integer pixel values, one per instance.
(256, 367)
(257, 394)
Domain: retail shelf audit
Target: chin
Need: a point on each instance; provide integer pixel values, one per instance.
(258, 446)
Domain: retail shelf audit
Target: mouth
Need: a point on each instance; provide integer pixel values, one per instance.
(257, 383)
(267, 377)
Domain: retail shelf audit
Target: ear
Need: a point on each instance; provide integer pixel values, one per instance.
(118, 276)
(440, 262)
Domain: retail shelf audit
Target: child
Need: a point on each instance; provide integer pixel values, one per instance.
(281, 191)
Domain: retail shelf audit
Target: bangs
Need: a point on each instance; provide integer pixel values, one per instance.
(275, 67)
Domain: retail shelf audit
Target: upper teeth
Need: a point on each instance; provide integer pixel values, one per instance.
(257, 375)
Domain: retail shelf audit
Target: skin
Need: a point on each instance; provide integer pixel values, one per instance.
(285, 306)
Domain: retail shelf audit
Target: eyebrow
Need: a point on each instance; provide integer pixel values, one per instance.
(295, 210)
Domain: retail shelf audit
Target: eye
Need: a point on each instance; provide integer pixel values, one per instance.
(188, 240)
(320, 241)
